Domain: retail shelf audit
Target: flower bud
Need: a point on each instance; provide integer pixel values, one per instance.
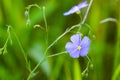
(26, 14)
(91, 66)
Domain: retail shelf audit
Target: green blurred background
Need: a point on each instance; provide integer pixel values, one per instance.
(104, 50)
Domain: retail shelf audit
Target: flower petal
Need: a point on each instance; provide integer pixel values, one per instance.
(75, 53)
(84, 51)
(85, 42)
(82, 5)
(76, 39)
(74, 9)
(70, 47)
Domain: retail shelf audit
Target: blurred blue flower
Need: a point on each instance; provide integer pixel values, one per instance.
(78, 47)
(76, 9)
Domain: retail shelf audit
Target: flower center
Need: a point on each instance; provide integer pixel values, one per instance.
(78, 12)
(79, 48)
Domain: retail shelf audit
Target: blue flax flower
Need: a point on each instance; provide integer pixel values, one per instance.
(78, 47)
(76, 9)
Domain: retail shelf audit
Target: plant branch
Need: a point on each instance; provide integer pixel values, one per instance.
(68, 30)
(86, 14)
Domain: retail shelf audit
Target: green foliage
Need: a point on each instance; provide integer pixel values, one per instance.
(30, 45)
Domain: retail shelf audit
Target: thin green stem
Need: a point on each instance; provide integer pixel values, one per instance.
(9, 35)
(79, 29)
(6, 42)
(35, 68)
(86, 69)
(44, 17)
(107, 20)
(89, 59)
(24, 54)
(88, 64)
(42, 61)
(91, 29)
(68, 30)
(56, 54)
(83, 21)
(86, 14)
(3, 49)
(33, 5)
(28, 11)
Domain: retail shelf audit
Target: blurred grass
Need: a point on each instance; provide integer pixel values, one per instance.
(104, 51)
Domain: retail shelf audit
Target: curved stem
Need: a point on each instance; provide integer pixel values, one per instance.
(24, 54)
(89, 59)
(56, 54)
(86, 69)
(35, 69)
(107, 20)
(44, 17)
(42, 61)
(60, 38)
(68, 30)
(86, 14)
